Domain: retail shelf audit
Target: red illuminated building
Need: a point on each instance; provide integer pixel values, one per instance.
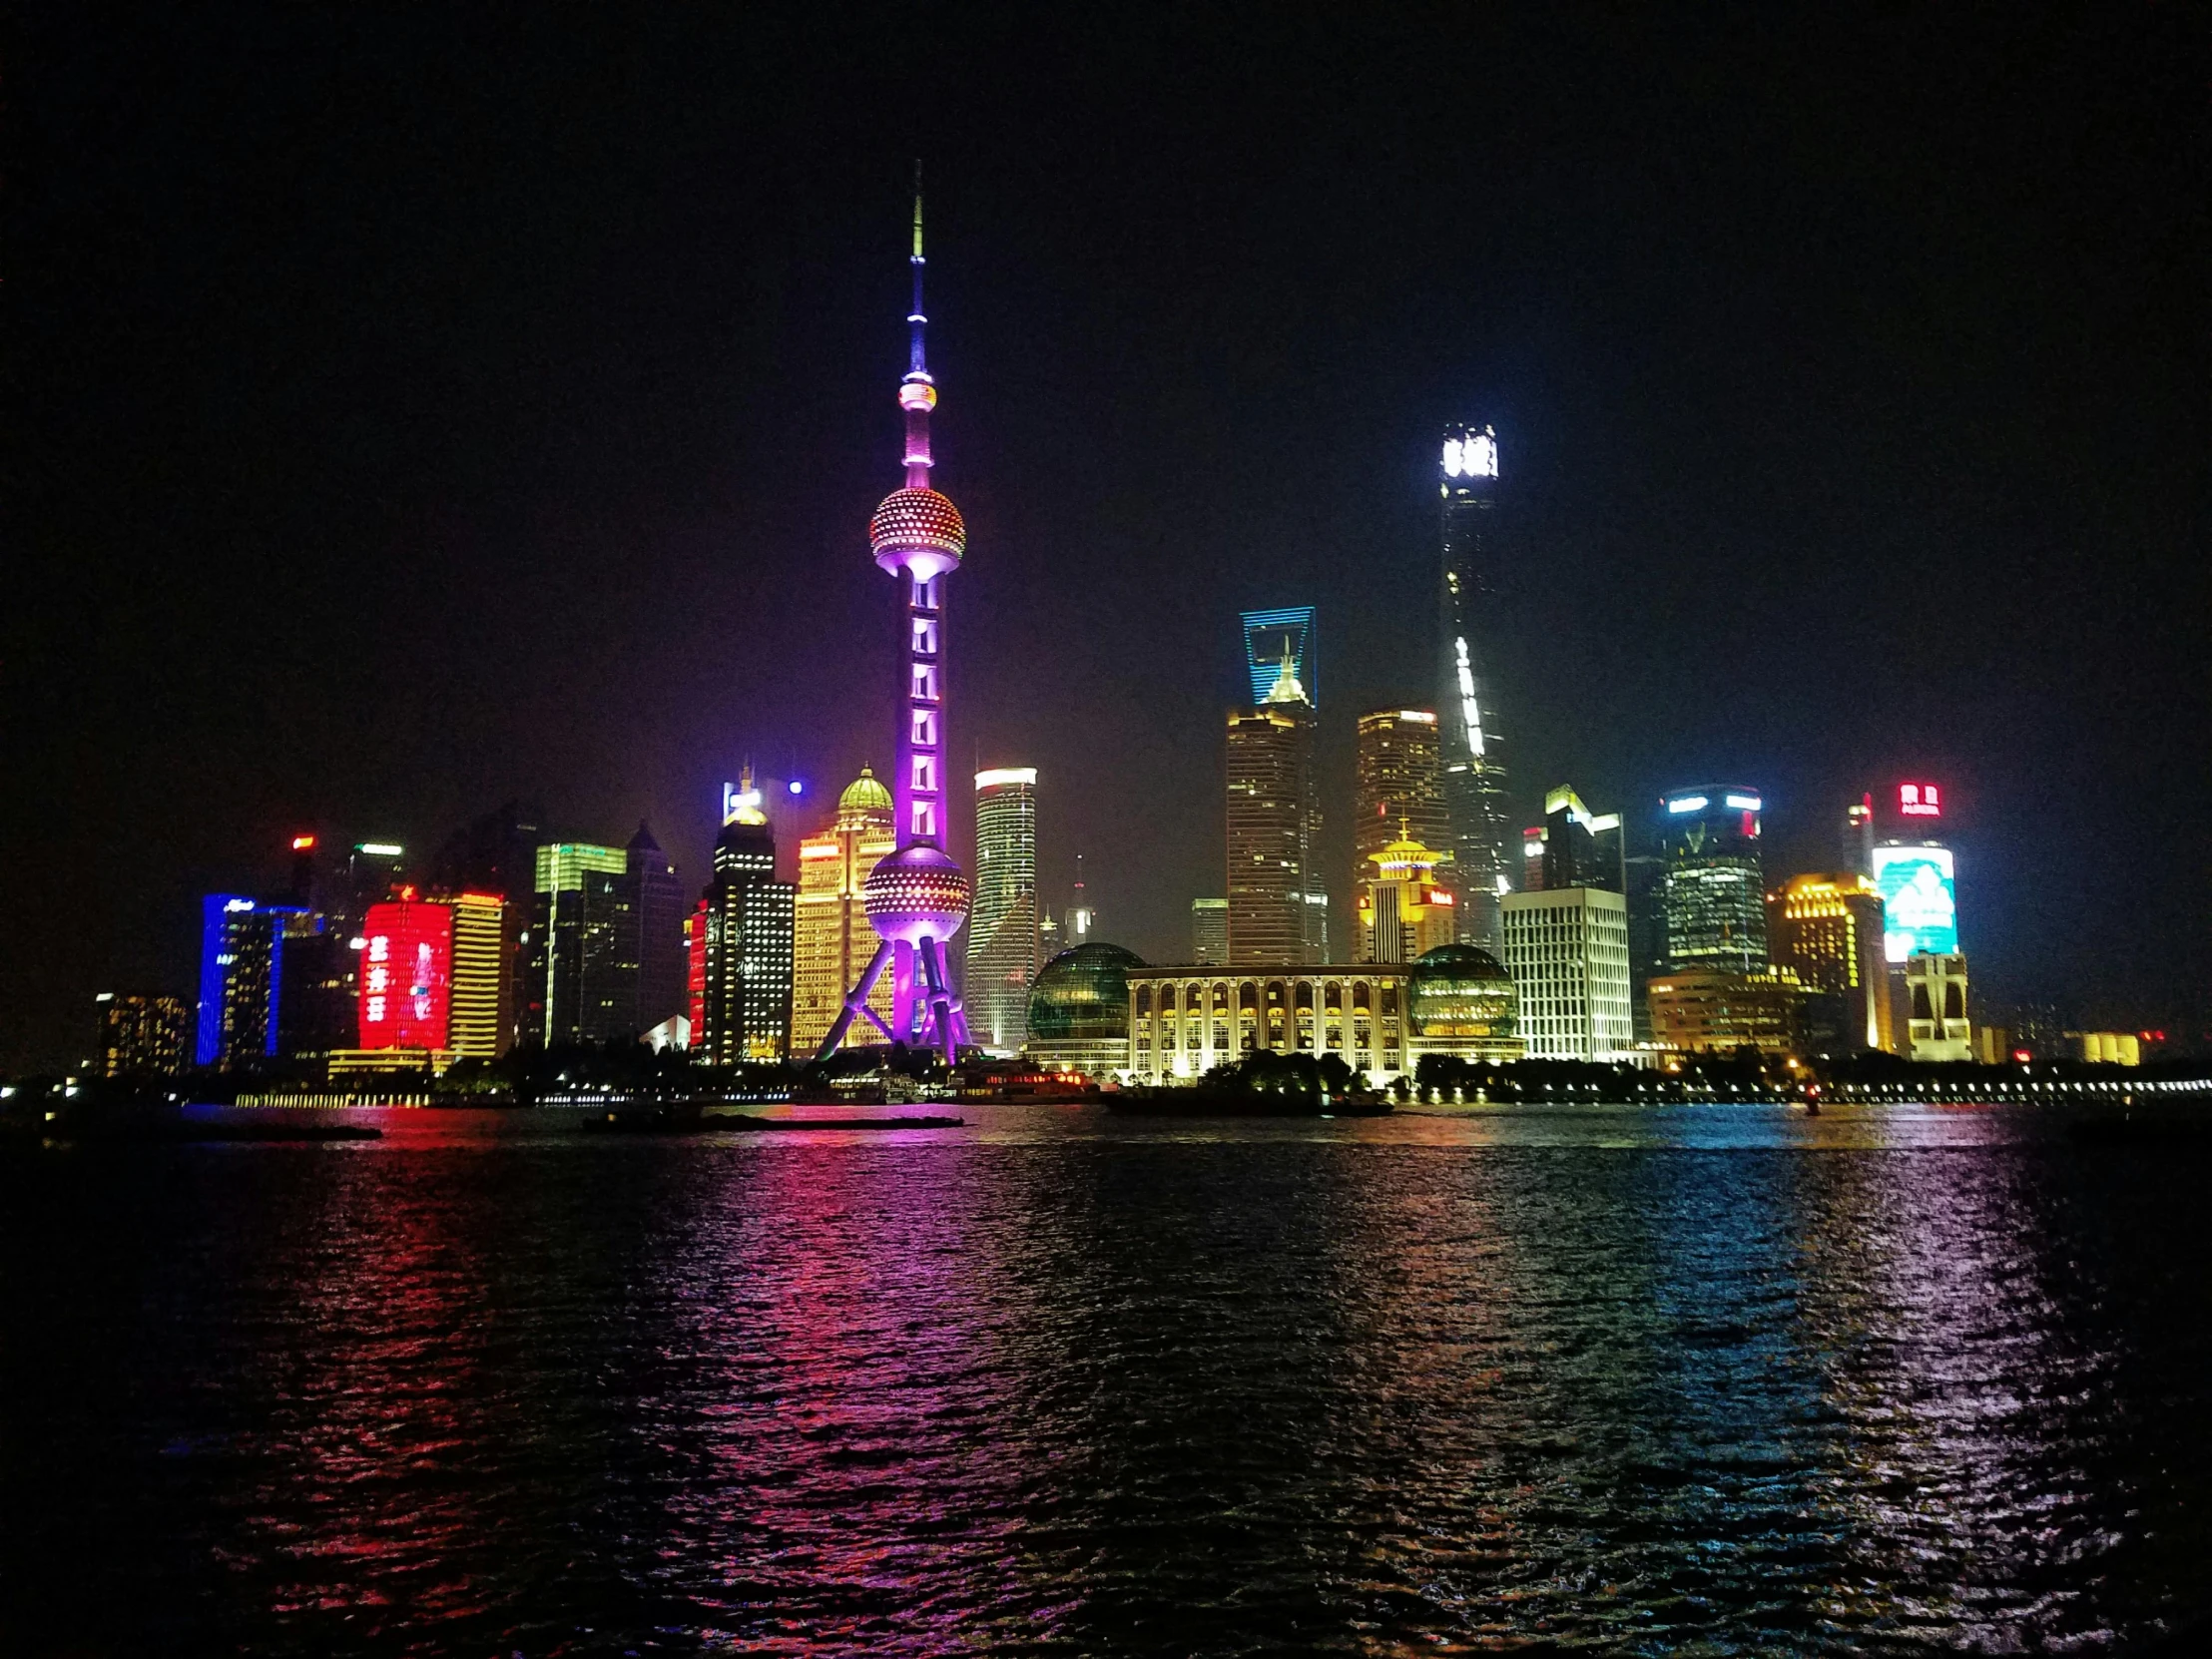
(406, 974)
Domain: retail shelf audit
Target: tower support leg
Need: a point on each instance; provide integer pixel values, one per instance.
(855, 1003)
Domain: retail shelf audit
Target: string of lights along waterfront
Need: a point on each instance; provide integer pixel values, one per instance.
(1600, 935)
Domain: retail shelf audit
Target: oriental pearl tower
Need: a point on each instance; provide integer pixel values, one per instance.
(917, 896)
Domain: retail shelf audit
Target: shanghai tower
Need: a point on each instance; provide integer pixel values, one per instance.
(1474, 775)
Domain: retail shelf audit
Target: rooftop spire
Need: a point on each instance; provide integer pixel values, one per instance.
(918, 393)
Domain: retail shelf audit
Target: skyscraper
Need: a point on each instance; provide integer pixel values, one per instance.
(244, 978)
(1567, 952)
(406, 979)
(832, 939)
(1002, 927)
(750, 941)
(496, 855)
(1404, 912)
(1273, 827)
(1473, 773)
(1582, 849)
(606, 945)
(1714, 898)
(143, 1036)
(917, 896)
(1828, 928)
(1210, 933)
(1397, 786)
(480, 1024)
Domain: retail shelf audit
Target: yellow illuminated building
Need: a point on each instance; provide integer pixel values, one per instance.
(476, 1022)
(832, 938)
(1404, 914)
(1718, 1012)
(1828, 930)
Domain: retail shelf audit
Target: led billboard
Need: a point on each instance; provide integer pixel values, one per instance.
(1920, 901)
(406, 974)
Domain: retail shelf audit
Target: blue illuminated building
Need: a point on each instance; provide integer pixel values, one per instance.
(241, 977)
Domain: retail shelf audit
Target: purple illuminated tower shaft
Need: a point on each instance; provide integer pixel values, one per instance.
(918, 897)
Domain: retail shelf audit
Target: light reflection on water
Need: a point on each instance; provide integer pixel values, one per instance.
(1885, 1379)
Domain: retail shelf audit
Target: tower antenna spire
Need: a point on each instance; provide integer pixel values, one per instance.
(918, 367)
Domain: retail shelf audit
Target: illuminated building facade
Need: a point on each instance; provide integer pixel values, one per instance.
(1078, 1015)
(1917, 881)
(1397, 784)
(1715, 897)
(1002, 929)
(606, 941)
(1828, 930)
(1210, 933)
(917, 896)
(1462, 1003)
(1403, 912)
(832, 939)
(243, 978)
(406, 977)
(480, 1025)
(1182, 1022)
(1278, 905)
(1473, 772)
(143, 1036)
(750, 949)
(1567, 953)
(1718, 1012)
(1936, 993)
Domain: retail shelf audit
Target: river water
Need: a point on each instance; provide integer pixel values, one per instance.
(1705, 1378)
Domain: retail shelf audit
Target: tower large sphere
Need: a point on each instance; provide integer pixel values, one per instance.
(917, 530)
(917, 894)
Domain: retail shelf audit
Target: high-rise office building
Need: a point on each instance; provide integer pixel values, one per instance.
(244, 978)
(1646, 876)
(1281, 666)
(1473, 771)
(1582, 849)
(1828, 930)
(1859, 837)
(480, 1023)
(606, 945)
(1210, 933)
(143, 1036)
(1715, 896)
(832, 939)
(406, 977)
(497, 854)
(1002, 923)
(750, 941)
(1271, 782)
(1273, 828)
(1404, 912)
(1567, 952)
(1397, 786)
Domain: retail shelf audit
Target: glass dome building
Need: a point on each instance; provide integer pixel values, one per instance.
(1463, 1003)
(1079, 1011)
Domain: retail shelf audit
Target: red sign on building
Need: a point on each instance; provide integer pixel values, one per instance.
(406, 974)
(1919, 800)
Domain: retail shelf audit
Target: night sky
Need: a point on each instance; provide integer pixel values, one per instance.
(416, 409)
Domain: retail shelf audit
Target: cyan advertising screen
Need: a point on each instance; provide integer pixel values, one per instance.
(1920, 901)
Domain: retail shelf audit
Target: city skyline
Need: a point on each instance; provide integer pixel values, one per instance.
(603, 522)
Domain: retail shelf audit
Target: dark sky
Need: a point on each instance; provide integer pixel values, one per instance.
(413, 409)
